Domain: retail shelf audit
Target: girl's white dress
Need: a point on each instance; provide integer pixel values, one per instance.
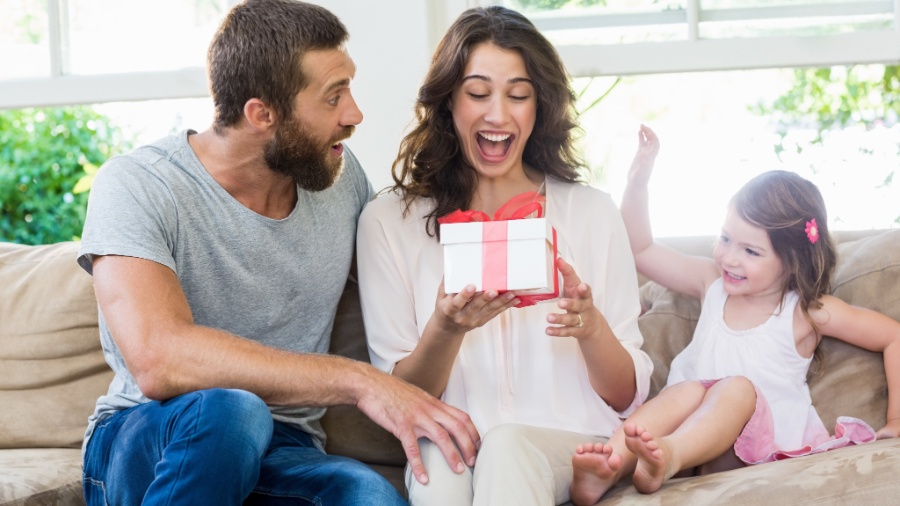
(785, 423)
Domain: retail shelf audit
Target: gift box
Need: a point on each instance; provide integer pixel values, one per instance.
(518, 255)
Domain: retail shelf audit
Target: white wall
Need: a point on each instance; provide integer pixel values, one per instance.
(391, 42)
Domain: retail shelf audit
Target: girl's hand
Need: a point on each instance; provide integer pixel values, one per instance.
(642, 165)
(581, 318)
(461, 312)
(891, 429)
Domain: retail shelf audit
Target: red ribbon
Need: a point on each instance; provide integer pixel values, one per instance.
(494, 237)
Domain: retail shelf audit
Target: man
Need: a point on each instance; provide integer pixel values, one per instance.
(218, 261)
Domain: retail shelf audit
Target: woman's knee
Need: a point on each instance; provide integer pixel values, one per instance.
(505, 436)
(444, 487)
(506, 446)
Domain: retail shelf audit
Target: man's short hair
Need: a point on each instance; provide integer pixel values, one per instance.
(257, 51)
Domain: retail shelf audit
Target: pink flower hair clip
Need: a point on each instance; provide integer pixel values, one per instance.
(812, 231)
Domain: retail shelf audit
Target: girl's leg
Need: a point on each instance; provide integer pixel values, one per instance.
(707, 433)
(597, 467)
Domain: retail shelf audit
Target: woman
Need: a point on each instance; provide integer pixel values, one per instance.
(495, 120)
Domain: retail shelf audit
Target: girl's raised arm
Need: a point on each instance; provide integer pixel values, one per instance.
(677, 271)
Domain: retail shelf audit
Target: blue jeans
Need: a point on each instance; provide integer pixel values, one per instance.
(219, 447)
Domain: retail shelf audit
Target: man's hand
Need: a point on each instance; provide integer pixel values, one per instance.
(409, 413)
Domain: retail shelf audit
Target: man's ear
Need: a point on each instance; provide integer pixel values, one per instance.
(259, 115)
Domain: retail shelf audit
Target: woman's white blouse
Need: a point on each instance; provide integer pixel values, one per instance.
(509, 370)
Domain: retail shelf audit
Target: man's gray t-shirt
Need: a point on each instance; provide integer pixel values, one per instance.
(277, 282)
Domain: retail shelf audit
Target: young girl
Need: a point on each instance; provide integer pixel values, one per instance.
(741, 383)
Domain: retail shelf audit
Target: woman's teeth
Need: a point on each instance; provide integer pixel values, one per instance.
(494, 137)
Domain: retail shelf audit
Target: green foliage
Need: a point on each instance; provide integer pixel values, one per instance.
(830, 98)
(826, 100)
(582, 95)
(47, 161)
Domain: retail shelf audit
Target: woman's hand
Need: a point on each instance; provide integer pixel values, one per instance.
(429, 364)
(581, 318)
(461, 312)
(610, 367)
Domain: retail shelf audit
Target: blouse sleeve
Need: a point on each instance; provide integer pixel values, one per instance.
(386, 292)
(606, 259)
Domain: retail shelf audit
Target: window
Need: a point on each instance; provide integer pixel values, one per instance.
(627, 37)
(694, 70)
(58, 52)
(708, 76)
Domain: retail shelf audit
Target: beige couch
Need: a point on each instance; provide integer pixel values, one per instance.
(52, 370)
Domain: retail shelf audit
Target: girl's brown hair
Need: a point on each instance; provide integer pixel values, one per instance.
(783, 203)
(430, 163)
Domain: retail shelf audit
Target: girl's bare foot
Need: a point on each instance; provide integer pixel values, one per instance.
(654, 460)
(595, 471)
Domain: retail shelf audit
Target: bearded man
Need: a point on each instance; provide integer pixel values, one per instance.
(218, 260)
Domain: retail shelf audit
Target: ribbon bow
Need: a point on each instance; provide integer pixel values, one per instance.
(519, 207)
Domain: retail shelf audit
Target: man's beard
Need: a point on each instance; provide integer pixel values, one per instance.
(295, 153)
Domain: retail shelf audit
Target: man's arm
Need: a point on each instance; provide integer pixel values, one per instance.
(150, 320)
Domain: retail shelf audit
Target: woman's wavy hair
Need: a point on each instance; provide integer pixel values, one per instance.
(782, 203)
(430, 162)
(257, 52)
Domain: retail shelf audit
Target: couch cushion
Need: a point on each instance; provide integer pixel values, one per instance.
(51, 366)
(349, 432)
(864, 474)
(39, 476)
(667, 326)
(849, 380)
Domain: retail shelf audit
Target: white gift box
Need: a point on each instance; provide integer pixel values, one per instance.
(503, 255)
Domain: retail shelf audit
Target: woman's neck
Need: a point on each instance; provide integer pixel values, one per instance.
(491, 193)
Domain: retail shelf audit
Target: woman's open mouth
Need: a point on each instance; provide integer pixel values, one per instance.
(494, 147)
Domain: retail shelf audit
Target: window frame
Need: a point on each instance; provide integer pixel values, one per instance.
(690, 55)
(695, 54)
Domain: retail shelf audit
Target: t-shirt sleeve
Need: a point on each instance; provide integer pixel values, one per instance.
(131, 212)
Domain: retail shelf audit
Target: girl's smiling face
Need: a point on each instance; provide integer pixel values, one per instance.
(747, 259)
(494, 109)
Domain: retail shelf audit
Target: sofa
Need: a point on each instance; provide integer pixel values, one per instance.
(52, 370)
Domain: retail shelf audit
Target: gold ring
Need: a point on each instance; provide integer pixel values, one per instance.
(580, 321)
